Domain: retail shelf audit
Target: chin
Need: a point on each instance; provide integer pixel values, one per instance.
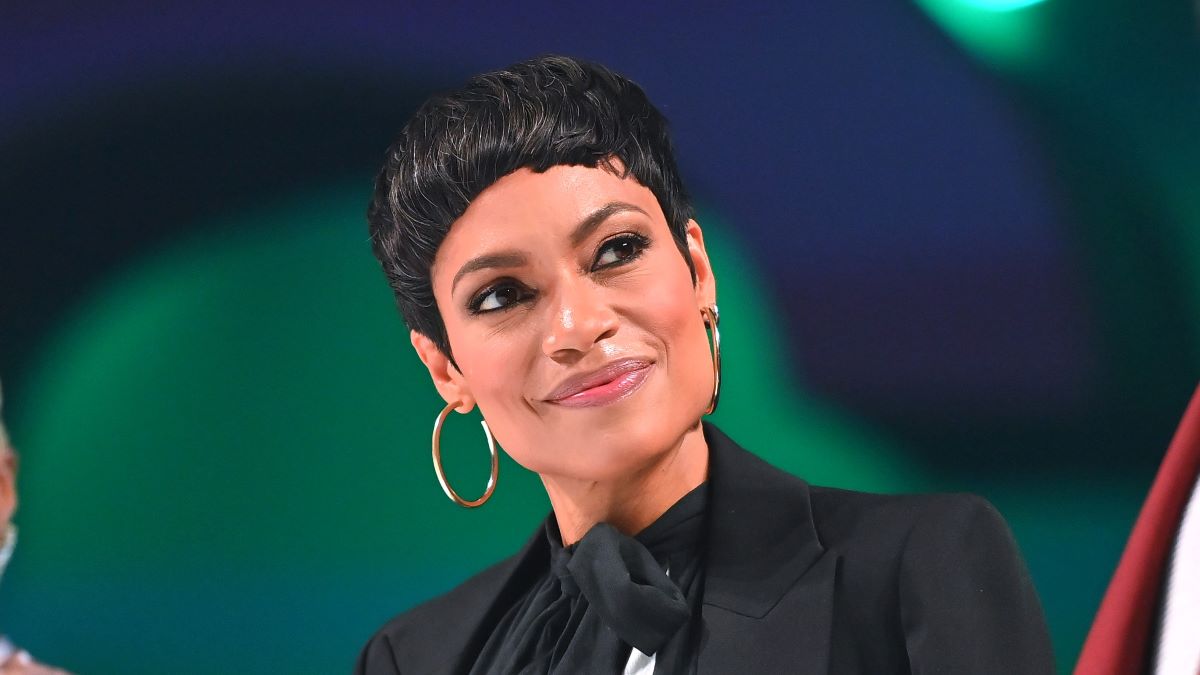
(622, 445)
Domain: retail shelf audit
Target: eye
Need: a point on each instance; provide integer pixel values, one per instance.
(500, 296)
(620, 249)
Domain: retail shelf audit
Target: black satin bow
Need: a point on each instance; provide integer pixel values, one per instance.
(626, 587)
(604, 595)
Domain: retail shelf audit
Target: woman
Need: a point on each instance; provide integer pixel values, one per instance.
(542, 250)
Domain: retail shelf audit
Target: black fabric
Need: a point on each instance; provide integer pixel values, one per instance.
(604, 594)
(796, 579)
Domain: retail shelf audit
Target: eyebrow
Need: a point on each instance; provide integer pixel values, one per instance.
(578, 235)
(488, 261)
(588, 225)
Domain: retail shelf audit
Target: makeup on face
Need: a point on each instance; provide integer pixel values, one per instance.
(613, 382)
(575, 320)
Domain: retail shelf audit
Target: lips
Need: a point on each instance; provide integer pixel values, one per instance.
(609, 383)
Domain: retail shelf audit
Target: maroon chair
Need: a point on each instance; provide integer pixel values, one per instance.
(1118, 643)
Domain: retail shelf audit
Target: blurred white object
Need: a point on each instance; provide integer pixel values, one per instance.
(6, 549)
(1178, 649)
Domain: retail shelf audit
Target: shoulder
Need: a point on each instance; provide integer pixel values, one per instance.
(945, 571)
(865, 530)
(847, 520)
(906, 535)
(447, 608)
(425, 637)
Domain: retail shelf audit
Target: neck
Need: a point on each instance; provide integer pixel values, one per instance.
(629, 502)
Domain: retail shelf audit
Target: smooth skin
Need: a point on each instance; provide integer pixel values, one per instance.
(553, 275)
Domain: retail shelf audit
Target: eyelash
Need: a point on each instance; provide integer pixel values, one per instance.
(640, 243)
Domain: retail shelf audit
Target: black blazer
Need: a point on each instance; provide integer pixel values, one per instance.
(799, 579)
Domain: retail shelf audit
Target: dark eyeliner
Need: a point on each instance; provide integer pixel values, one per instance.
(477, 300)
(473, 306)
(640, 240)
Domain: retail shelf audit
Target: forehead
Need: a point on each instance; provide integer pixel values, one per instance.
(526, 208)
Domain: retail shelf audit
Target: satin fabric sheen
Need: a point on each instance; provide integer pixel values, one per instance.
(606, 594)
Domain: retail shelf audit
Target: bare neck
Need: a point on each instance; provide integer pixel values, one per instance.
(631, 502)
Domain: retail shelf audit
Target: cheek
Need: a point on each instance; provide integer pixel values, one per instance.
(669, 308)
(670, 315)
(496, 371)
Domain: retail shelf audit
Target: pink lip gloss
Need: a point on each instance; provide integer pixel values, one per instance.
(610, 392)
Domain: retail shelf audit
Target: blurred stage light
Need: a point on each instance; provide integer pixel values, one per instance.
(1000, 5)
(1008, 35)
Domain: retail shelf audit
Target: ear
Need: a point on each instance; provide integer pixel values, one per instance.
(706, 283)
(446, 377)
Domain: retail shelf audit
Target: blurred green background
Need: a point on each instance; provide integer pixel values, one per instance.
(957, 245)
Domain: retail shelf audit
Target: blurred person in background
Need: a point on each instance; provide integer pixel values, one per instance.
(13, 660)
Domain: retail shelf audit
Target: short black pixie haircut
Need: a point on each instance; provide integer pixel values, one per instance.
(549, 111)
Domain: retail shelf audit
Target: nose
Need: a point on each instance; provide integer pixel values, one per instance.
(580, 319)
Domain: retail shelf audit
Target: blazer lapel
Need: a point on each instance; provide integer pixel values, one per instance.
(769, 584)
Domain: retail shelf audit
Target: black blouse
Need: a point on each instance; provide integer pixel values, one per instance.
(606, 594)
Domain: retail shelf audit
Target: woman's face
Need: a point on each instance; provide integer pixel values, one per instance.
(575, 322)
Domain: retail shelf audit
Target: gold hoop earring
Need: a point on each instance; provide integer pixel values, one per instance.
(711, 318)
(437, 460)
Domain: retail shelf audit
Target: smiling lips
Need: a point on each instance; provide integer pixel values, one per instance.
(609, 384)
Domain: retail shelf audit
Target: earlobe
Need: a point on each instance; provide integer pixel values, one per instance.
(706, 283)
(446, 377)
